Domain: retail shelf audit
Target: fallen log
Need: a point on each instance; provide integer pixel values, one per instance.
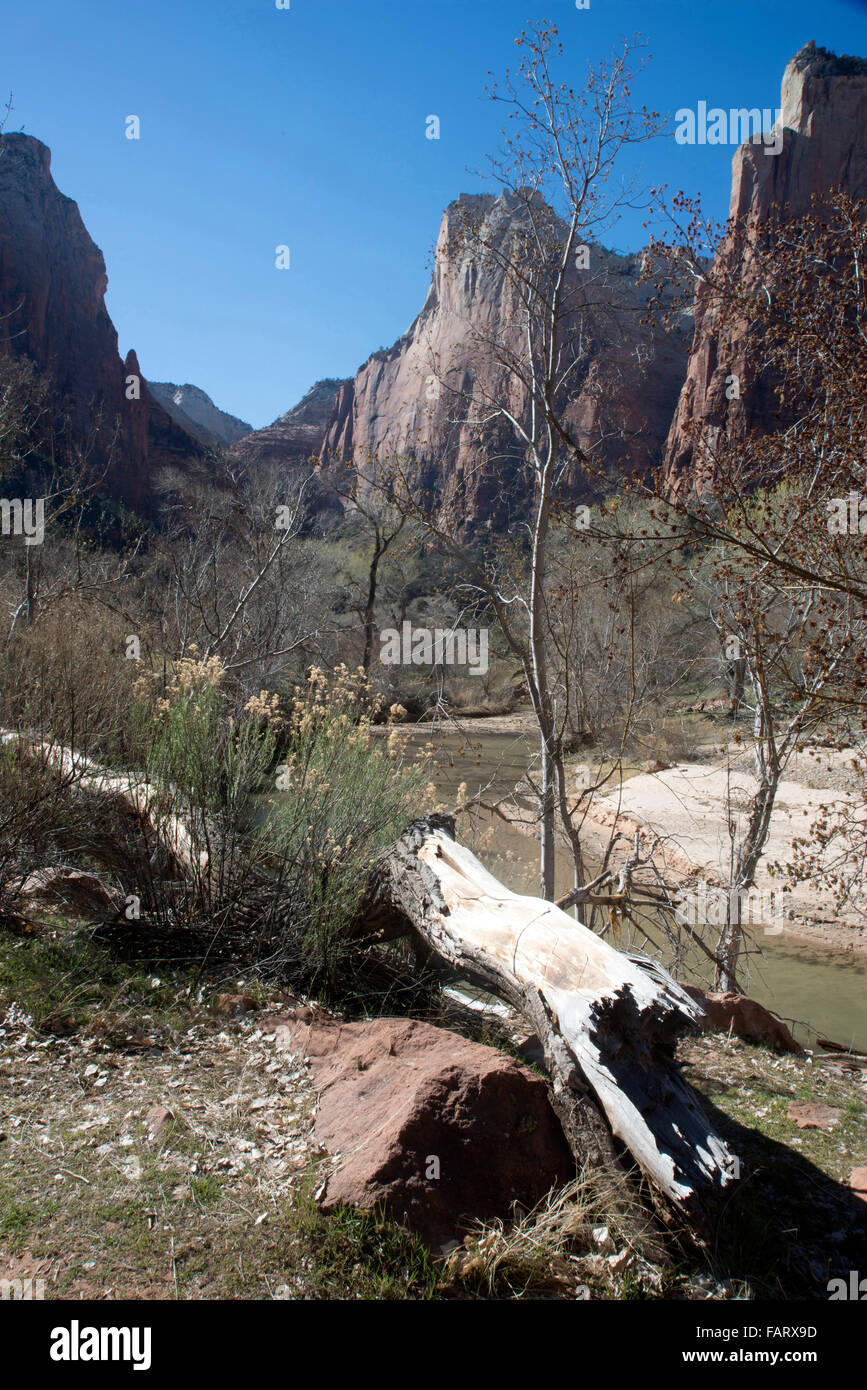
(139, 801)
(607, 1021)
(841, 1048)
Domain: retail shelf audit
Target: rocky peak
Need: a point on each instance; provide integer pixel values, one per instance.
(52, 286)
(815, 79)
(193, 408)
(824, 118)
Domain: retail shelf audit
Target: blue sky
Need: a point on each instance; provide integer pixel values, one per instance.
(306, 127)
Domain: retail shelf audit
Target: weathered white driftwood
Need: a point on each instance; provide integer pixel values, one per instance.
(606, 1020)
(146, 803)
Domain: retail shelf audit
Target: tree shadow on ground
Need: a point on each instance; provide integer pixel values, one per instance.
(787, 1228)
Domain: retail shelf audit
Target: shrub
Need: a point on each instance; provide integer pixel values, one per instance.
(244, 833)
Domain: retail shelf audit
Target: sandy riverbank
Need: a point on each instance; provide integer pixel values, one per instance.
(688, 806)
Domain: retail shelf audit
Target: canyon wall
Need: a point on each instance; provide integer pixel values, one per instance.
(824, 146)
(52, 310)
(406, 401)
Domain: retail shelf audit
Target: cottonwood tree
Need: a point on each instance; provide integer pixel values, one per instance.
(239, 584)
(791, 673)
(56, 469)
(372, 497)
(562, 152)
(22, 406)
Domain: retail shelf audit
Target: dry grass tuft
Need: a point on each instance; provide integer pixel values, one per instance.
(586, 1233)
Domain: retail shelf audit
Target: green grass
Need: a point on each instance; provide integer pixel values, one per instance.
(64, 982)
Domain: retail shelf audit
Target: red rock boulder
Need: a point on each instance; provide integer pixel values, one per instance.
(81, 891)
(437, 1130)
(745, 1017)
(858, 1184)
(809, 1114)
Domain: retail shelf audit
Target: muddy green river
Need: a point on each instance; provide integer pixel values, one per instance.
(819, 991)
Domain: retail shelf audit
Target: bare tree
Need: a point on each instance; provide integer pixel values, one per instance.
(561, 152)
(240, 584)
(776, 515)
(372, 497)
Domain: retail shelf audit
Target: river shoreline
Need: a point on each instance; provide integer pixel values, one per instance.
(686, 805)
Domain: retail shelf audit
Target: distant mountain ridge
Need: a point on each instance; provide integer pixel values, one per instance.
(297, 436)
(646, 396)
(193, 408)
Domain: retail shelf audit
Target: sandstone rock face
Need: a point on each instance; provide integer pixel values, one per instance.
(52, 286)
(824, 119)
(292, 445)
(397, 403)
(297, 436)
(745, 1017)
(194, 411)
(438, 1129)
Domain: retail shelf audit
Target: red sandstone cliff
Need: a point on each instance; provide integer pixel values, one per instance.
(297, 436)
(621, 412)
(52, 286)
(824, 119)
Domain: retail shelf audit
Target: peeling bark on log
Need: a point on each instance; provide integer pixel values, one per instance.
(607, 1020)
